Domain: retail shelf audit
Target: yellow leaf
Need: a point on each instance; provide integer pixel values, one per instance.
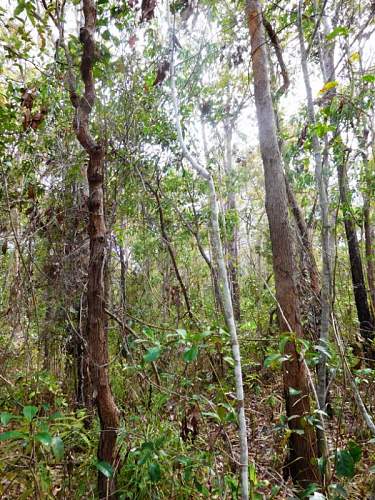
(354, 57)
(328, 86)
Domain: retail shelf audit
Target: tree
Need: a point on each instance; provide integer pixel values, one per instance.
(302, 441)
(322, 188)
(232, 221)
(365, 318)
(223, 284)
(97, 342)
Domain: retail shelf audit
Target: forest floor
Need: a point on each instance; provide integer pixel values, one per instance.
(267, 446)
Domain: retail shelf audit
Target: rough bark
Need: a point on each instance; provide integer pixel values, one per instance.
(309, 284)
(302, 446)
(97, 343)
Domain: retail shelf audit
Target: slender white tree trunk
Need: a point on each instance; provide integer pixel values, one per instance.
(231, 325)
(321, 182)
(223, 285)
(231, 210)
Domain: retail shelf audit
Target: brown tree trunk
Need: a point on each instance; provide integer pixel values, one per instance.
(370, 255)
(367, 220)
(302, 441)
(366, 322)
(97, 342)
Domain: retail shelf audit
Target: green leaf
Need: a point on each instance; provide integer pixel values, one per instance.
(294, 392)
(20, 8)
(29, 412)
(191, 354)
(44, 438)
(152, 354)
(323, 350)
(229, 360)
(339, 31)
(275, 490)
(274, 359)
(4, 436)
(154, 472)
(344, 464)
(310, 490)
(213, 415)
(253, 474)
(339, 490)
(106, 35)
(368, 78)
(105, 468)
(5, 418)
(56, 415)
(355, 450)
(182, 333)
(57, 446)
(146, 452)
(284, 339)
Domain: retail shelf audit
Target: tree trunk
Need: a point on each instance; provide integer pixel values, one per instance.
(366, 321)
(367, 220)
(97, 342)
(232, 235)
(223, 285)
(214, 279)
(15, 321)
(370, 255)
(305, 238)
(322, 187)
(168, 244)
(124, 264)
(96, 335)
(302, 441)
